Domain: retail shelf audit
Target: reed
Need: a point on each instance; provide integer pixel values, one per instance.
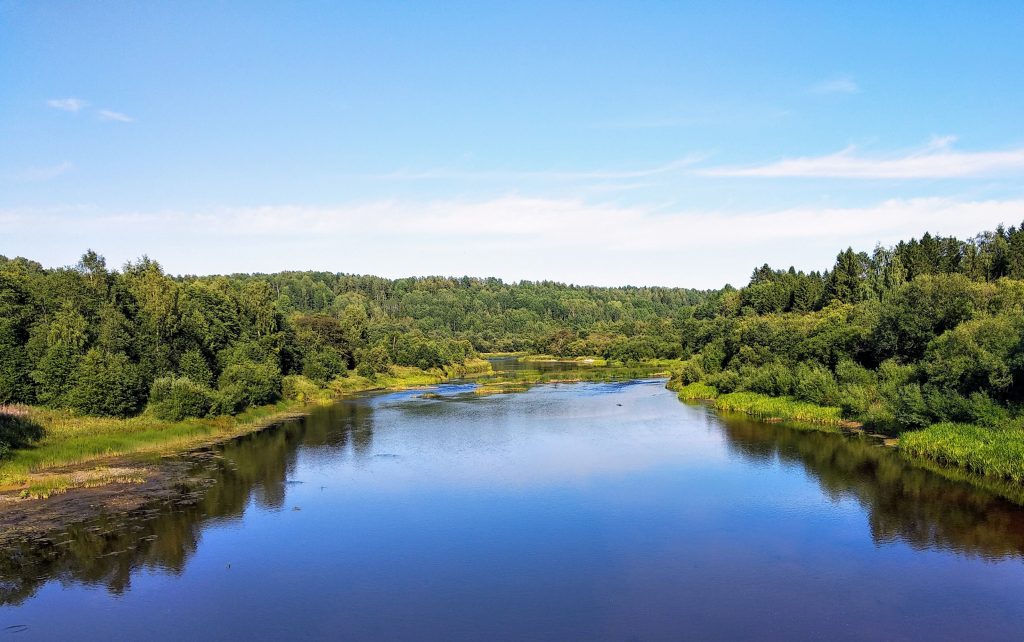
(767, 407)
(995, 452)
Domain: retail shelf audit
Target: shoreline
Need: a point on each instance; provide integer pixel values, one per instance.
(63, 494)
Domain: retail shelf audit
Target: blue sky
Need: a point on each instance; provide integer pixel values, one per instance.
(645, 143)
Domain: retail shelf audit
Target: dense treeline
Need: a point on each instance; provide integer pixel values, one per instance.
(110, 342)
(926, 334)
(541, 317)
(928, 331)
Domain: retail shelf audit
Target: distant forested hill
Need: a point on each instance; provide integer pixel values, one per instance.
(104, 341)
(925, 333)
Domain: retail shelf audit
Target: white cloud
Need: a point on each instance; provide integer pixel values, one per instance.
(935, 160)
(106, 114)
(513, 237)
(838, 85)
(549, 175)
(42, 173)
(67, 104)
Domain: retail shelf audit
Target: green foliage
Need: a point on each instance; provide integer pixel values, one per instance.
(248, 383)
(773, 379)
(323, 365)
(176, 398)
(193, 366)
(690, 372)
(815, 384)
(300, 388)
(989, 451)
(105, 383)
(928, 331)
(724, 381)
(778, 408)
(697, 392)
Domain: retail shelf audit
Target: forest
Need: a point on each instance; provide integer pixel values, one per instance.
(118, 342)
(927, 334)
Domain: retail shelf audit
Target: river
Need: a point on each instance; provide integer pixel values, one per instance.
(596, 510)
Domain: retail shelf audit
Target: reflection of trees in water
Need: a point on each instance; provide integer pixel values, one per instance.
(107, 550)
(904, 501)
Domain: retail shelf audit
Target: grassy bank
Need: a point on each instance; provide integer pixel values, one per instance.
(761, 406)
(994, 452)
(783, 408)
(74, 440)
(989, 452)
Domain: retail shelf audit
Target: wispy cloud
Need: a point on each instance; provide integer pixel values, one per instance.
(837, 85)
(933, 161)
(106, 114)
(513, 237)
(33, 174)
(67, 104)
(542, 175)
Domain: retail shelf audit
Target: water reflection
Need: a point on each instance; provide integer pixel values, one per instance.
(903, 501)
(253, 469)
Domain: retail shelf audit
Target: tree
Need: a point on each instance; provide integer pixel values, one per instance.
(106, 383)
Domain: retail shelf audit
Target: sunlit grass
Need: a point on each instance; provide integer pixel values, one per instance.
(778, 408)
(698, 391)
(70, 438)
(995, 452)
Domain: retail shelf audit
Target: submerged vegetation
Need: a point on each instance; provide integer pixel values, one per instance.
(924, 340)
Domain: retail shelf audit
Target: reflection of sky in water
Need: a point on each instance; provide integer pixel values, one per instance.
(581, 436)
(593, 511)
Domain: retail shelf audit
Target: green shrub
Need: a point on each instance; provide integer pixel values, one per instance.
(909, 410)
(815, 384)
(849, 372)
(323, 365)
(300, 388)
(856, 399)
(105, 383)
(194, 366)
(373, 361)
(248, 383)
(725, 381)
(691, 372)
(773, 379)
(175, 398)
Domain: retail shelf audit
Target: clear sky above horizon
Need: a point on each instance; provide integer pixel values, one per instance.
(645, 143)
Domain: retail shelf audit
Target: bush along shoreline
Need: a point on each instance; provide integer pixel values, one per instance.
(923, 340)
(181, 416)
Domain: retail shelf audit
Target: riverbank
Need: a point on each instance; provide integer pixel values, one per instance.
(764, 407)
(78, 451)
(990, 452)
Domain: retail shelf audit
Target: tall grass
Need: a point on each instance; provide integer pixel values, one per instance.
(778, 408)
(698, 391)
(997, 452)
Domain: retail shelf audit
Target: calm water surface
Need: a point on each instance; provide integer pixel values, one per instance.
(572, 511)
